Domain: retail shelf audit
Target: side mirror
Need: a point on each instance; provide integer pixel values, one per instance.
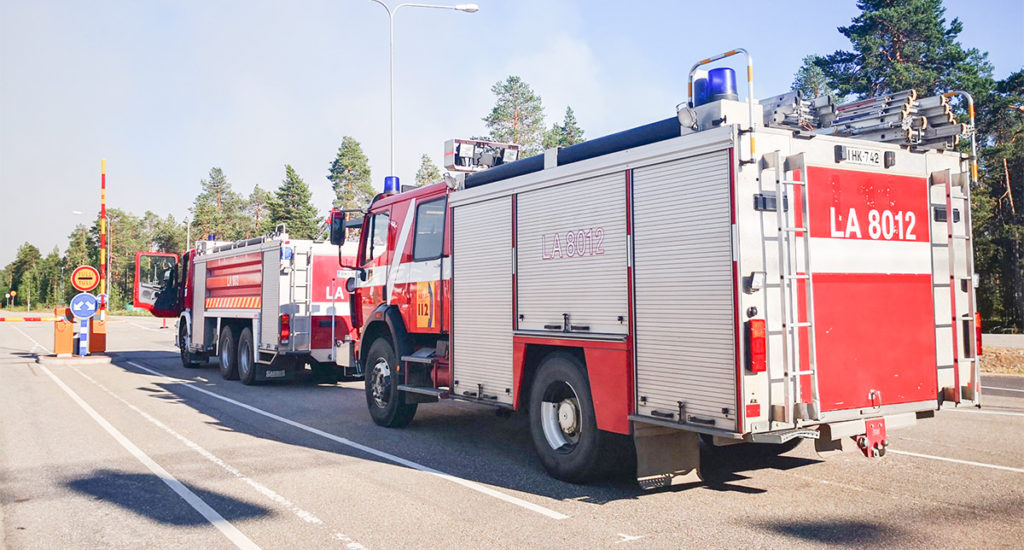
(337, 227)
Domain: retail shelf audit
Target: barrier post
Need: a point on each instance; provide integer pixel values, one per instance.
(63, 333)
(97, 335)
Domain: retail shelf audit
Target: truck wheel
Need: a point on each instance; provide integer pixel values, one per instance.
(562, 421)
(246, 369)
(187, 359)
(387, 405)
(228, 354)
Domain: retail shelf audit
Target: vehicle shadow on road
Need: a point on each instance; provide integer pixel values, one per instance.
(461, 439)
(835, 531)
(147, 495)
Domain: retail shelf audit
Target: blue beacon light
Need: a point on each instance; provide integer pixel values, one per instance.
(391, 184)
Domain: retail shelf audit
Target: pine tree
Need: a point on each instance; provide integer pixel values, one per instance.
(998, 206)
(903, 44)
(292, 206)
(565, 134)
(428, 172)
(517, 116)
(350, 176)
(257, 212)
(218, 210)
(811, 80)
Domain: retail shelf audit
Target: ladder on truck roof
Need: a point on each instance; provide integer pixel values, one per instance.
(945, 178)
(792, 273)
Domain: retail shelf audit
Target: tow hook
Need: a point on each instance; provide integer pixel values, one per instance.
(873, 443)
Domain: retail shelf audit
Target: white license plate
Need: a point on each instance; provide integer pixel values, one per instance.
(275, 374)
(861, 155)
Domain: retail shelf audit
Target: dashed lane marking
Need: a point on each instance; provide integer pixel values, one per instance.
(37, 344)
(224, 526)
(958, 461)
(262, 489)
(369, 450)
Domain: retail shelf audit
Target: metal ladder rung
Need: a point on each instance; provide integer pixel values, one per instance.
(958, 196)
(796, 276)
(964, 237)
(799, 325)
(802, 373)
(794, 229)
(791, 182)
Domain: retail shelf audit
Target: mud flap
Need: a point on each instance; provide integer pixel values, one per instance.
(665, 456)
(828, 445)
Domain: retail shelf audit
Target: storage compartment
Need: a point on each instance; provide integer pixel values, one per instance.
(571, 257)
(685, 338)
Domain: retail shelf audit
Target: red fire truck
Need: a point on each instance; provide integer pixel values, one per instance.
(264, 307)
(742, 272)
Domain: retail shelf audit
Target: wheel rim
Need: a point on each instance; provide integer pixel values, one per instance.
(561, 420)
(224, 356)
(244, 359)
(380, 382)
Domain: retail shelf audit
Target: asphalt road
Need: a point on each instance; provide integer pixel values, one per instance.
(145, 453)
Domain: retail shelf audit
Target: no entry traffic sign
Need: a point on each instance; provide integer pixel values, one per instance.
(85, 278)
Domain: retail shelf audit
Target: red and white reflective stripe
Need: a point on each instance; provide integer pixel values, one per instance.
(28, 319)
(403, 238)
(249, 302)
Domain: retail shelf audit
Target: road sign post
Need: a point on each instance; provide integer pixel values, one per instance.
(83, 306)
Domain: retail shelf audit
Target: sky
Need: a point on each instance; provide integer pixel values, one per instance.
(166, 90)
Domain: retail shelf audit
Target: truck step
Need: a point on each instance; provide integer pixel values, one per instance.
(423, 390)
(783, 436)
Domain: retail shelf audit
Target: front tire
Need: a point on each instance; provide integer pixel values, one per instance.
(387, 405)
(228, 354)
(246, 367)
(562, 421)
(187, 359)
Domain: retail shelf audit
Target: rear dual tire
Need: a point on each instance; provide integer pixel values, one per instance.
(564, 427)
(227, 352)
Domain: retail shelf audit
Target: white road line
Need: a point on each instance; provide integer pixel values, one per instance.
(958, 461)
(974, 410)
(262, 489)
(369, 450)
(1001, 389)
(211, 515)
(37, 344)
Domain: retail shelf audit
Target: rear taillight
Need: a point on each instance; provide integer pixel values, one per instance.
(286, 328)
(977, 334)
(757, 346)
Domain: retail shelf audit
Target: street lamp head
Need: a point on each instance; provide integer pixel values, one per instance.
(468, 8)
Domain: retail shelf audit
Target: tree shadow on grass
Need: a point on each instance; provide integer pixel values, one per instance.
(147, 495)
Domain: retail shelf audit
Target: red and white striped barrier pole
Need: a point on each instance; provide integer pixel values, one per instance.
(28, 319)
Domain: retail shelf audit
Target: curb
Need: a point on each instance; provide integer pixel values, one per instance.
(52, 361)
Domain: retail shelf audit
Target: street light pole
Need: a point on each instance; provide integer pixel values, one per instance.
(468, 8)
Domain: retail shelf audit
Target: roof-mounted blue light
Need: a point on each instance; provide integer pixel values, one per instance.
(391, 184)
(722, 84)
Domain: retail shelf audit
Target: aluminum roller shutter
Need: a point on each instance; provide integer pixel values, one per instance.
(589, 286)
(685, 348)
(482, 295)
(270, 301)
(199, 304)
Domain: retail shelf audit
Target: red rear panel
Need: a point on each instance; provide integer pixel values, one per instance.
(328, 291)
(873, 301)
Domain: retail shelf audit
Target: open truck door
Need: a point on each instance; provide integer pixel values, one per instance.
(157, 286)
